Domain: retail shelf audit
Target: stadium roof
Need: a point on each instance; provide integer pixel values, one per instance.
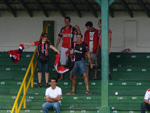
(78, 6)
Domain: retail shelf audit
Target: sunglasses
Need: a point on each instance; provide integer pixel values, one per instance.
(46, 36)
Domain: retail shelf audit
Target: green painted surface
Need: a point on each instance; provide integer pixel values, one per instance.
(50, 31)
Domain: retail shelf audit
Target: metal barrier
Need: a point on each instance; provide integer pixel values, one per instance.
(24, 86)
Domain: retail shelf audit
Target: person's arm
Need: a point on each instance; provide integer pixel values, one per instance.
(48, 99)
(55, 49)
(78, 29)
(29, 44)
(89, 57)
(58, 41)
(146, 101)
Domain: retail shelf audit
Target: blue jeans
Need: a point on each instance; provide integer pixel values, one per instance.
(81, 65)
(41, 65)
(51, 105)
(144, 107)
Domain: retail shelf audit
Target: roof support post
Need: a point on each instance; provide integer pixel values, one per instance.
(26, 8)
(110, 2)
(91, 8)
(104, 108)
(10, 8)
(144, 7)
(41, 7)
(127, 8)
(58, 8)
(75, 8)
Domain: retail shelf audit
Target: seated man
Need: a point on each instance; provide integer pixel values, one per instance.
(53, 96)
(146, 104)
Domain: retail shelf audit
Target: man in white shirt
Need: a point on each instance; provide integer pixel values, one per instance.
(53, 96)
(146, 104)
(91, 38)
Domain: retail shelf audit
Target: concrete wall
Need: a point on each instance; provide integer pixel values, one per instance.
(128, 32)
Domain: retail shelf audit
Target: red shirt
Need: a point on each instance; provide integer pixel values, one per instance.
(67, 35)
(95, 39)
(42, 46)
(100, 36)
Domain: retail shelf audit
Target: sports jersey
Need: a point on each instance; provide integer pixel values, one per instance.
(42, 46)
(100, 36)
(67, 35)
(147, 95)
(80, 50)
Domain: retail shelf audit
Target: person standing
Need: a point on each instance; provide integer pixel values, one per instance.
(100, 45)
(67, 35)
(80, 49)
(52, 96)
(91, 38)
(43, 47)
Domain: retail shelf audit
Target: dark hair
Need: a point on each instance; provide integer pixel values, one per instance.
(80, 35)
(67, 17)
(53, 79)
(100, 20)
(43, 34)
(89, 23)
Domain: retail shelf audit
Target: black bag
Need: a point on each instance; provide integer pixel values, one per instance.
(43, 58)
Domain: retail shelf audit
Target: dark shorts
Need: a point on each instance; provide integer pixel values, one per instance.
(79, 65)
(41, 65)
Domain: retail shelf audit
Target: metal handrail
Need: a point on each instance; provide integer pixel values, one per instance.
(24, 87)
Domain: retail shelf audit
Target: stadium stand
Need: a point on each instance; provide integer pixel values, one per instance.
(130, 73)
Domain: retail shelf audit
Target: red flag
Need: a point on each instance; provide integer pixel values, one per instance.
(15, 55)
(59, 69)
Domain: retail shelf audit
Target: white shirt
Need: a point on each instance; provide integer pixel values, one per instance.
(147, 95)
(53, 93)
(91, 41)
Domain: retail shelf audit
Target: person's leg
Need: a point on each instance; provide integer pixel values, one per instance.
(86, 82)
(46, 106)
(82, 66)
(74, 77)
(144, 106)
(95, 74)
(74, 83)
(70, 76)
(61, 77)
(87, 71)
(99, 59)
(40, 65)
(96, 66)
(39, 78)
(63, 59)
(87, 64)
(56, 107)
(46, 78)
(47, 72)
